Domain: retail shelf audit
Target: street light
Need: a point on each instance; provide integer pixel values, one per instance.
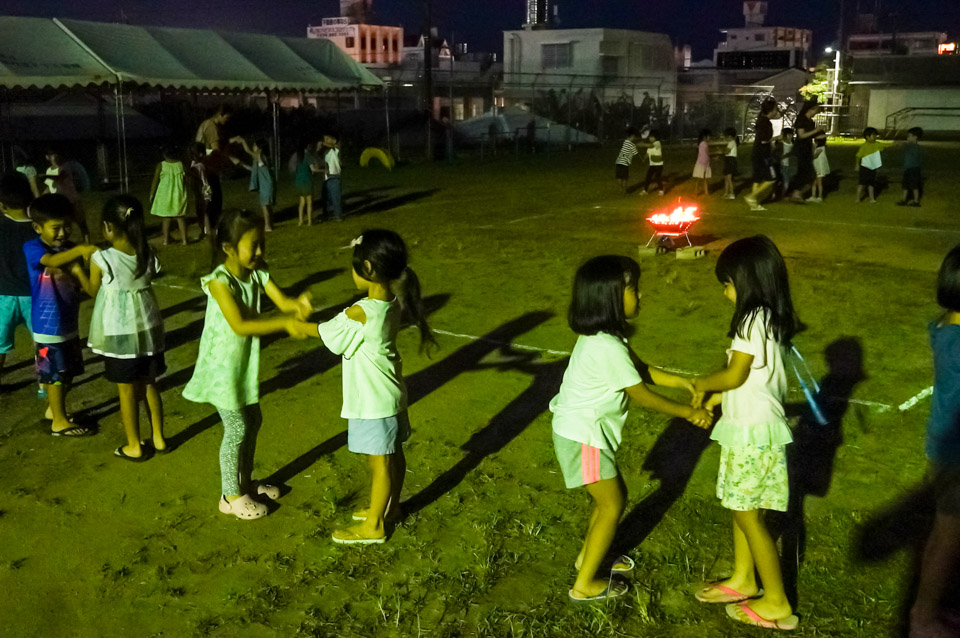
(828, 50)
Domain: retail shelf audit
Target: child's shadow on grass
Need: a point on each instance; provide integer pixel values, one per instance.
(510, 421)
(811, 456)
(671, 460)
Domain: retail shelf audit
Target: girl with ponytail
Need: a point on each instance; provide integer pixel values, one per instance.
(374, 393)
(126, 326)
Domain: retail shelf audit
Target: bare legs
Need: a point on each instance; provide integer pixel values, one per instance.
(130, 396)
(305, 205)
(181, 226)
(940, 554)
(387, 474)
(267, 226)
(755, 552)
(609, 497)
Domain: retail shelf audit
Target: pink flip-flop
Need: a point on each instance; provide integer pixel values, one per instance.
(753, 618)
(732, 595)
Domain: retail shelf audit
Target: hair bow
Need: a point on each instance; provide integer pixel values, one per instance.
(126, 213)
(356, 241)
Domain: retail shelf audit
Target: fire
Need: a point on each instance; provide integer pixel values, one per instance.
(681, 216)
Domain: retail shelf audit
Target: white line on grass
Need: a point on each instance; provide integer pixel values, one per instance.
(880, 407)
(917, 398)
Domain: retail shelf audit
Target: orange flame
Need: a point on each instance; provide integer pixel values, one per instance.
(681, 215)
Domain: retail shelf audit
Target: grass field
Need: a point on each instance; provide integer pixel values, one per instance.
(93, 546)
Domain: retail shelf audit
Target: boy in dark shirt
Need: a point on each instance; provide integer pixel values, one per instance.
(56, 273)
(912, 163)
(15, 231)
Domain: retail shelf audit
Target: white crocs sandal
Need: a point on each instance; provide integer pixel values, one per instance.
(244, 507)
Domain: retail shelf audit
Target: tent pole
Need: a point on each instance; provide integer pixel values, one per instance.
(276, 138)
(386, 112)
(123, 136)
(116, 104)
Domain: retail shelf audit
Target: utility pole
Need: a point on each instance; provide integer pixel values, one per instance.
(428, 75)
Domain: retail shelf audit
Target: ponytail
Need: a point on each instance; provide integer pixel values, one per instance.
(406, 287)
(125, 213)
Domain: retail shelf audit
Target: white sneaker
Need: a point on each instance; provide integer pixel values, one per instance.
(757, 208)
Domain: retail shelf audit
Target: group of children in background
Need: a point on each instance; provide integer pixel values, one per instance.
(173, 183)
(868, 163)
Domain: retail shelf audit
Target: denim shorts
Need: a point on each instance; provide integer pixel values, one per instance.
(377, 437)
(13, 312)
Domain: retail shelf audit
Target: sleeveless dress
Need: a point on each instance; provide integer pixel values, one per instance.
(171, 197)
(126, 321)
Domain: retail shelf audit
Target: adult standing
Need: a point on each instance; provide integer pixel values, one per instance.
(805, 129)
(210, 134)
(764, 173)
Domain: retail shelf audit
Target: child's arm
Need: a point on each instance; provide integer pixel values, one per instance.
(156, 181)
(354, 313)
(249, 327)
(730, 378)
(302, 306)
(77, 271)
(642, 395)
(657, 376)
(92, 285)
(61, 259)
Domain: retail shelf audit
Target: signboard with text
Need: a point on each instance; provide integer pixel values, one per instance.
(333, 31)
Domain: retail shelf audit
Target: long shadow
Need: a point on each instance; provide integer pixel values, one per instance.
(811, 456)
(510, 421)
(194, 304)
(390, 203)
(671, 460)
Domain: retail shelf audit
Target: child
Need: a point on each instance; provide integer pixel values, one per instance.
(868, 163)
(126, 327)
(912, 163)
(590, 410)
(333, 203)
(64, 178)
(701, 170)
(625, 159)
(788, 161)
(260, 178)
(943, 451)
(655, 161)
(200, 187)
(305, 168)
(228, 363)
(753, 430)
(821, 168)
(15, 231)
(168, 194)
(56, 273)
(730, 169)
(374, 393)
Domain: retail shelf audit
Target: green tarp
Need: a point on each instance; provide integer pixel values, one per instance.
(36, 52)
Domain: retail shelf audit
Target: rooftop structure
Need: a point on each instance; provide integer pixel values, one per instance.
(756, 46)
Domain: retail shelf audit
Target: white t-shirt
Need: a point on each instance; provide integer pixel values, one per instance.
(753, 413)
(591, 406)
(655, 154)
(732, 148)
(52, 183)
(332, 158)
(373, 386)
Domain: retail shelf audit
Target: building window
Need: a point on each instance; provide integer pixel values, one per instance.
(609, 65)
(363, 42)
(759, 37)
(396, 44)
(557, 56)
(351, 42)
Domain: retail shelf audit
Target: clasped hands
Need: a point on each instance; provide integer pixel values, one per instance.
(702, 412)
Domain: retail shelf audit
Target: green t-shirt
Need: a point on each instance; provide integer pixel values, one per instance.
(373, 386)
(228, 365)
(869, 155)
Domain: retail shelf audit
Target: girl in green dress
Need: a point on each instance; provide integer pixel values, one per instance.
(168, 194)
(228, 363)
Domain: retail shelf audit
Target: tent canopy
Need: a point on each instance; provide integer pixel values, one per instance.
(36, 52)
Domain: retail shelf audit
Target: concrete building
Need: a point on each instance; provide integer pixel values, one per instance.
(868, 45)
(612, 63)
(756, 46)
(372, 45)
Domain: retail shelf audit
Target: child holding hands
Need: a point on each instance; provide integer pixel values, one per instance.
(261, 180)
(753, 431)
(228, 363)
(591, 408)
(374, 392)
(56, 272)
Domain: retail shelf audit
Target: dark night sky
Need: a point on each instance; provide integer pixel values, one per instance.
(480, 22)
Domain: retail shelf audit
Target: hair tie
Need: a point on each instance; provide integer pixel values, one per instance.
(356, 241)
(126, 213)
